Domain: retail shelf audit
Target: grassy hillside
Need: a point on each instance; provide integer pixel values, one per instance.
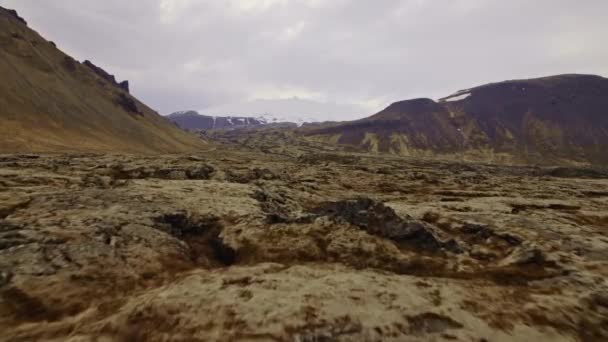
(51, 103)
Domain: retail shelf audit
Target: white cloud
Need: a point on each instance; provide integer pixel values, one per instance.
(200, 53)
(293, 31)
(170, 10)
(268, 92)
(256, 5)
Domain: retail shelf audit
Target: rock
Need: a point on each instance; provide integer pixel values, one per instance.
(431, 217)
(378, 219)
(526, 255)
(171, 173)
(279, 208)
(482, 253)
(103, 182)
(127, 103)
(249, 175)
(15, 15)
(124, 85)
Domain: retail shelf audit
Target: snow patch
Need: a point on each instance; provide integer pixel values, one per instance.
(457, 97)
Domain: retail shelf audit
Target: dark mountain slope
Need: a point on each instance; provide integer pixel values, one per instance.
(50, 102)
(558, 119)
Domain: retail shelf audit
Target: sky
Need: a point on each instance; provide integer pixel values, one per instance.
(197, 54)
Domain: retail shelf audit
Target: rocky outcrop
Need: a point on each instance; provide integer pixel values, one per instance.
(127, 103)
(13, 14)
(124, 85)
(378, 219)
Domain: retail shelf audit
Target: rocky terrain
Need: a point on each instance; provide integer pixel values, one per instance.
(553, 120)
(234, 244)
(122, 227)
(50, 102)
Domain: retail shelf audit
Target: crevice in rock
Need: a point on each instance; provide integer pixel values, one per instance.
(128, 104)
(202, 235)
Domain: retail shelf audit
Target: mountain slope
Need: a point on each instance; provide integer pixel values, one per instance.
(50, 102)
(557, 119)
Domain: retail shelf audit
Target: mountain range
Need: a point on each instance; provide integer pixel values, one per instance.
(262, 112)
(192, 120)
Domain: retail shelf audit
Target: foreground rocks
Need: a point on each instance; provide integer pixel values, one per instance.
(235, 245)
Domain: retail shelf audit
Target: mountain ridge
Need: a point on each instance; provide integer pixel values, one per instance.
(554, 119)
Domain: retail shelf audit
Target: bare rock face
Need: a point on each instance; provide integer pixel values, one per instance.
(14, 14)
(124, 85)
(128, 104)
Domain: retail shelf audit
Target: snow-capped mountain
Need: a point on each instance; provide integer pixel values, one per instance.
(289, 110)
(268, 118)
(192, 120)
(292, 111)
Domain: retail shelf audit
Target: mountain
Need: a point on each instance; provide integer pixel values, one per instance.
(49, 102)
(278, 112)
(192, 120)
(295, 110)
(556, 119)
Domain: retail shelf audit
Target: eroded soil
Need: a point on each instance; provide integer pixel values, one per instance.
(235, 244)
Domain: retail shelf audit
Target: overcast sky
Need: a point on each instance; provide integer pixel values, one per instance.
(192, 54)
